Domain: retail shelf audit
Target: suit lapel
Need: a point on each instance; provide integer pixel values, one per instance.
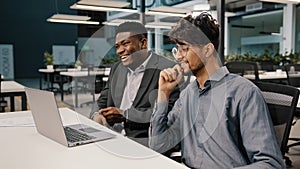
(151, 68)
(120, 84)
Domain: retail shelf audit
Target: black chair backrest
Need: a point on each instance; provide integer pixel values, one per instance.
(292, 72)
(267, 66)
(282, 102)
(95, 82)
(0, 83)
(3, 103)
(243, 67)
(99, 83)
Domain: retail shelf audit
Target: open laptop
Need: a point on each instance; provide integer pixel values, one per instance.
(48, 121)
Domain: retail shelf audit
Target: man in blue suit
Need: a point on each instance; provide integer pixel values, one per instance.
(127, 100)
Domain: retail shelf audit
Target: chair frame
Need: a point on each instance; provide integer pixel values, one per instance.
(293, 81)
(3, 103)
(267, 66)
(95, 84)
(239, 67)
(286, 117)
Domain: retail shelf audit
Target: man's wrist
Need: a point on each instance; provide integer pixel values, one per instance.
(163, 96)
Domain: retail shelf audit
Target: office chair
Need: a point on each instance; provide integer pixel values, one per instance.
(292, 72)
(3, 103)
(243, 67)
(267, 66)
(94, 84)
(56, 78)
(282, 102)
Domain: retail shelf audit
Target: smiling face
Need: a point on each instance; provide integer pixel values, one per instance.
(132, 49)
(191, 58)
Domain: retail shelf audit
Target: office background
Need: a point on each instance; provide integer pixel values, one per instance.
(24, 25)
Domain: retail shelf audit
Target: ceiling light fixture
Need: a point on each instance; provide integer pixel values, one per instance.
(117, 22)
(168, 11)
(93, 5)
(296, 1)
(282, 1)
(100, 8)
(64, 18)
(162, 25)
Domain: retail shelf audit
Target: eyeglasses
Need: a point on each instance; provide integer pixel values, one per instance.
(182, 50)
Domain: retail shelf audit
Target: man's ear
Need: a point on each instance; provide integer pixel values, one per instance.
(144, 43)
(209, 49)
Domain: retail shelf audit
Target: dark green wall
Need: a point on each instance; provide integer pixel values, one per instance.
(23, 24)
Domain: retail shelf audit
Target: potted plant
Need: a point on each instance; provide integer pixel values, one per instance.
(78, 64)
(109, 60)
(48, 59)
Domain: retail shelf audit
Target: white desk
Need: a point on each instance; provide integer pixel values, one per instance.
(268, 76)
(84, 73)
(23, 148)
(49, 73)
(46, 70)
(80, 74)
(12, 89)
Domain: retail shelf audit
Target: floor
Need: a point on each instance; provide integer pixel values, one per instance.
(293, 154)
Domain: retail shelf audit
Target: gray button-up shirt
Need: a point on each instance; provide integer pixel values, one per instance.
(225, 125)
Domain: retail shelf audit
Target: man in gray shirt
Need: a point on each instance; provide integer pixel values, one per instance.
(221, 119)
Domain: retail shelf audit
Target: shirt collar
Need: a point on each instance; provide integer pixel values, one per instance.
(219, 74)
(215, 77)
(142, 67)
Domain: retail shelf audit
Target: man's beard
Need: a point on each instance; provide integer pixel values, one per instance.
(195, 71)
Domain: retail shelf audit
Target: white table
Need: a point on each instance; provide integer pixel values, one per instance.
(268, 76)
(75, 74)
(48, 73)
(22, 147)
(12, 89)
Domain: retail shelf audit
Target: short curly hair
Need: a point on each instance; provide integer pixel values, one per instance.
(200, 30)
(135, 27)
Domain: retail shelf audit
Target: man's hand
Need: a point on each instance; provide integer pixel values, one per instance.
(99, 118)
(168, 80)
(113, 114)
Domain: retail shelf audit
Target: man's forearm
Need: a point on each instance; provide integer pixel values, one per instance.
(163, 96)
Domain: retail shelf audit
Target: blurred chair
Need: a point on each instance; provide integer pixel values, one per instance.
(56, 78)
(94, 83)
(243, 67)
(282, 102)
(267, 66)
(3, 103)
(292, 72)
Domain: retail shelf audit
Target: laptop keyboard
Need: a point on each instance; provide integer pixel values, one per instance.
(74, 135)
